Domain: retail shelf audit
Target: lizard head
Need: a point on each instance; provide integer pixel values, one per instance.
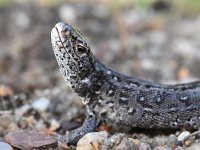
(73, 55)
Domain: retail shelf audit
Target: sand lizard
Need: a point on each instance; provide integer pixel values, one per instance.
(118, 98)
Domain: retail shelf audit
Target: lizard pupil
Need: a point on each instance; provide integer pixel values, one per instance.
(81, 49)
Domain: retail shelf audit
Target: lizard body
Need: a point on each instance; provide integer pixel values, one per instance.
(120, 99)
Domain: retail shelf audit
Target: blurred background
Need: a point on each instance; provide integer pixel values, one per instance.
(153, 39)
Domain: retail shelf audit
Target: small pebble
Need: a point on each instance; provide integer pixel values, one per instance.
(126, 144)
(143, 146)
(41, 104)
(54, 124)
(94, 137)
(6, 120)
(19, 112)
(135, 141)
(162, 147)
(114, 140)
(67, 13)
(5, 146)
(183, 135)
(30, 139)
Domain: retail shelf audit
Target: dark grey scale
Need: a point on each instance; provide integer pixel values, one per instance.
(115, 78)
(142, 97)
(73, 67)
(131, 111)
(195, 122)
(61, 57)
(133, 83)
(159, 97)
(80, 67)
(179, 121)
(65, 43)
(73, 55)
(173, 124)
(110, 103)
(63, 51)
(111, 91)
(73, 77)
(149, 86)
(64, 55)
(181, 87)
(61, 66)
(123, 101)
(76, 59)
(172, 106)
(184, 98)
(101, 99)
(122, 98)
(146, 117)
(96, 87)
(65, 73)
(75, 38)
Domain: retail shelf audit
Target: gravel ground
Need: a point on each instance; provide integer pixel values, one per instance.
(156, 43)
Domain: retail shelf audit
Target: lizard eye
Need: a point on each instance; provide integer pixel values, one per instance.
(81, 49)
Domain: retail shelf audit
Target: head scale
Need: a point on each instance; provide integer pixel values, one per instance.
(73, 55)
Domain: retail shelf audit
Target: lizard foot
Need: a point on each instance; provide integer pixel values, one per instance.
(72, 137)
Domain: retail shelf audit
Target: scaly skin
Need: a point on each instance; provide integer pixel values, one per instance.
(120, 99)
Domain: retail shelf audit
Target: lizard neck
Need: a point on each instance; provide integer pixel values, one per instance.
(85, 79)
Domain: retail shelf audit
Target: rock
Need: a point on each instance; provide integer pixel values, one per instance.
(195, 146)
(21, 19)
(143, 146)
(54, 124)
(5, 90)
(19, 112)
(6, 120)
(100, 11)
(114, 140)
(91, 140)
(162, 147)
(182, 136)
(5, 146)
(30, 139)
(119, 142)
(41, 104)
(126, 144)
(68, 13)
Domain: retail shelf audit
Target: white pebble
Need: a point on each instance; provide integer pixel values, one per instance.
(5, 146)
(94, 137)
(183, 135)
(41, 104)
(19, 112)
(67, 13)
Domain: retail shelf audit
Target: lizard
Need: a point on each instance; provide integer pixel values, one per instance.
(118, 98)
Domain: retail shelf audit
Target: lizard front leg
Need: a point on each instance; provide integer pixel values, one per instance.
(89, 125)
